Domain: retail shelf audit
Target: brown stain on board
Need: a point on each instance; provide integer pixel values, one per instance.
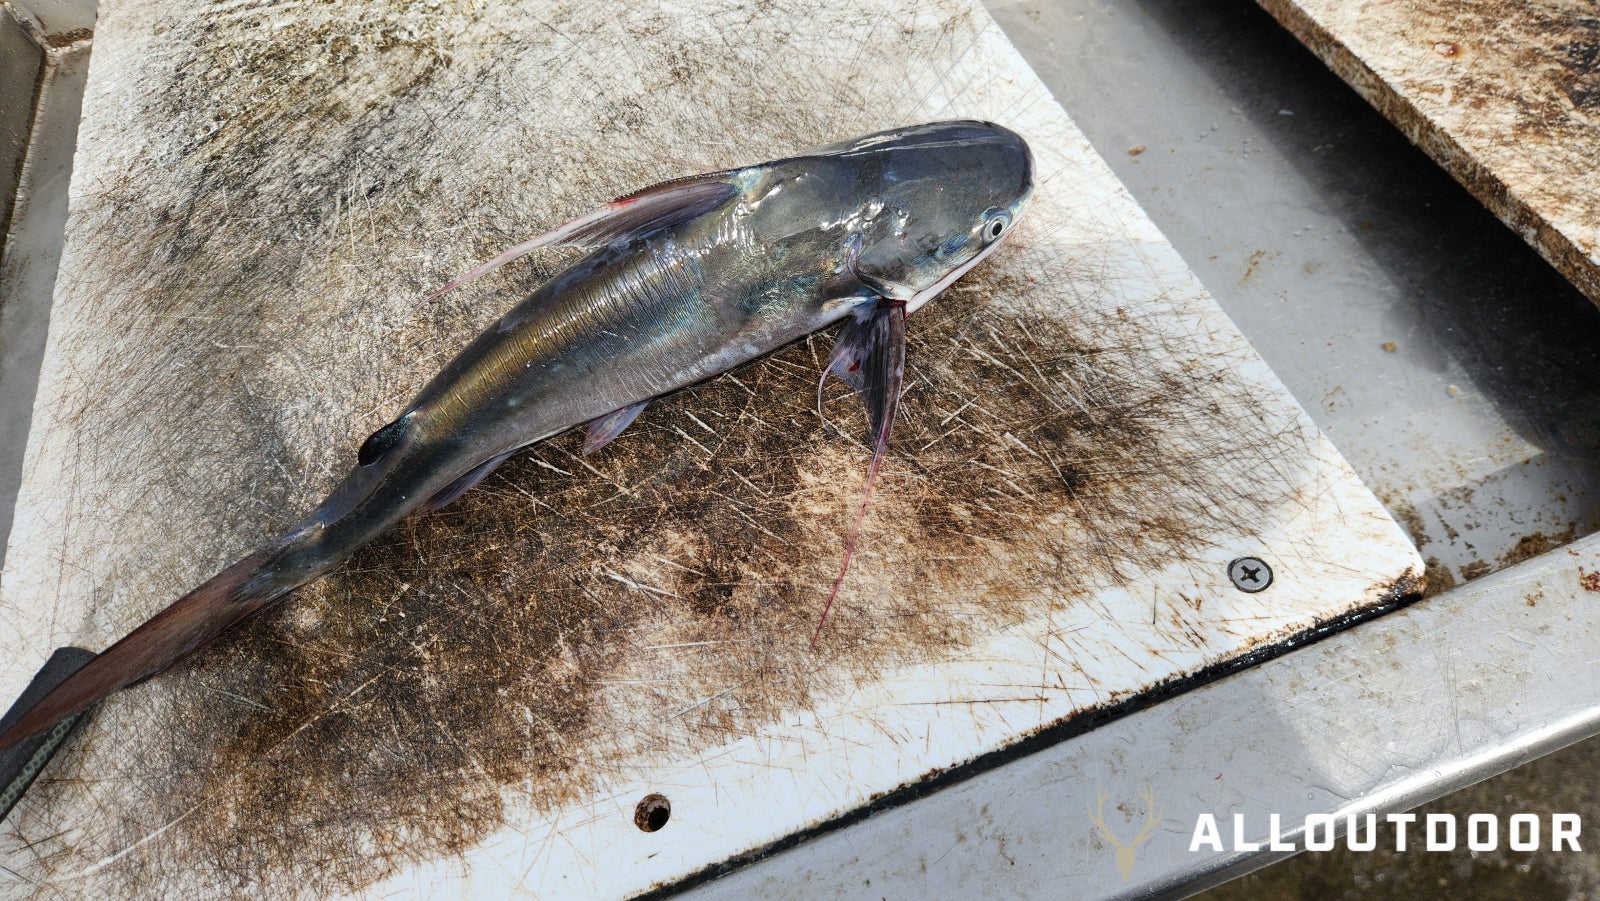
(569, 614)
(381, 715)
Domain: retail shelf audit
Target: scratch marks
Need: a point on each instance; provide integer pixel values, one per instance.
(569, 616)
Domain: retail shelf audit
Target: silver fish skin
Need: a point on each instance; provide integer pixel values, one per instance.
(685, 280)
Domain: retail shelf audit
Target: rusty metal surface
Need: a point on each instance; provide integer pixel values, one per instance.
(1505, 95)
(482, 699)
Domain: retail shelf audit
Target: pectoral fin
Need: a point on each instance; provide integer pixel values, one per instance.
(635, 215)
(609, 426)
(871, 357)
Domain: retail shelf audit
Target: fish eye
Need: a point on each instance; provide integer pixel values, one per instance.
(995, 225)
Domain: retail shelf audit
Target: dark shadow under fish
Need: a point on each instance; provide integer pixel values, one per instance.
(685, 280)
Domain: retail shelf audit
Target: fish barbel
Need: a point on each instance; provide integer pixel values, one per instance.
(685, 280)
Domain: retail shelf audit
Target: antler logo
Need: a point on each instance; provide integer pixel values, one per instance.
(1126, 851)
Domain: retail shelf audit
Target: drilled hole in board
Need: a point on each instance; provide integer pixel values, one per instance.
(652, 813)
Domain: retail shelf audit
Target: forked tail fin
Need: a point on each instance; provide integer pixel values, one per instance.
(358, 510)
(189, 624)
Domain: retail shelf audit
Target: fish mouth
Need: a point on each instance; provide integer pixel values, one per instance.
(949, 278)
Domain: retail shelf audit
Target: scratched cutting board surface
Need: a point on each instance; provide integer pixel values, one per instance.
(1505, 94)
(264, 193)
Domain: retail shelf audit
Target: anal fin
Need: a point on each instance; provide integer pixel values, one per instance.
(609, 426)
(460, 486)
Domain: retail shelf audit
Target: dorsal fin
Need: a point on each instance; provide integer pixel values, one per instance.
(637, 214)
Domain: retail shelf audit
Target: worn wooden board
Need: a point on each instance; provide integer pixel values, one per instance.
(264, 192)
(1504, 94)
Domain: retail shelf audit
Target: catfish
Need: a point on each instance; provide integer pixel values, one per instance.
(683, 280)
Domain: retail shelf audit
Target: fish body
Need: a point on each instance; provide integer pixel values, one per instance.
(683, 281)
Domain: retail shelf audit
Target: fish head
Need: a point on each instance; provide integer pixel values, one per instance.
(943, 197)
